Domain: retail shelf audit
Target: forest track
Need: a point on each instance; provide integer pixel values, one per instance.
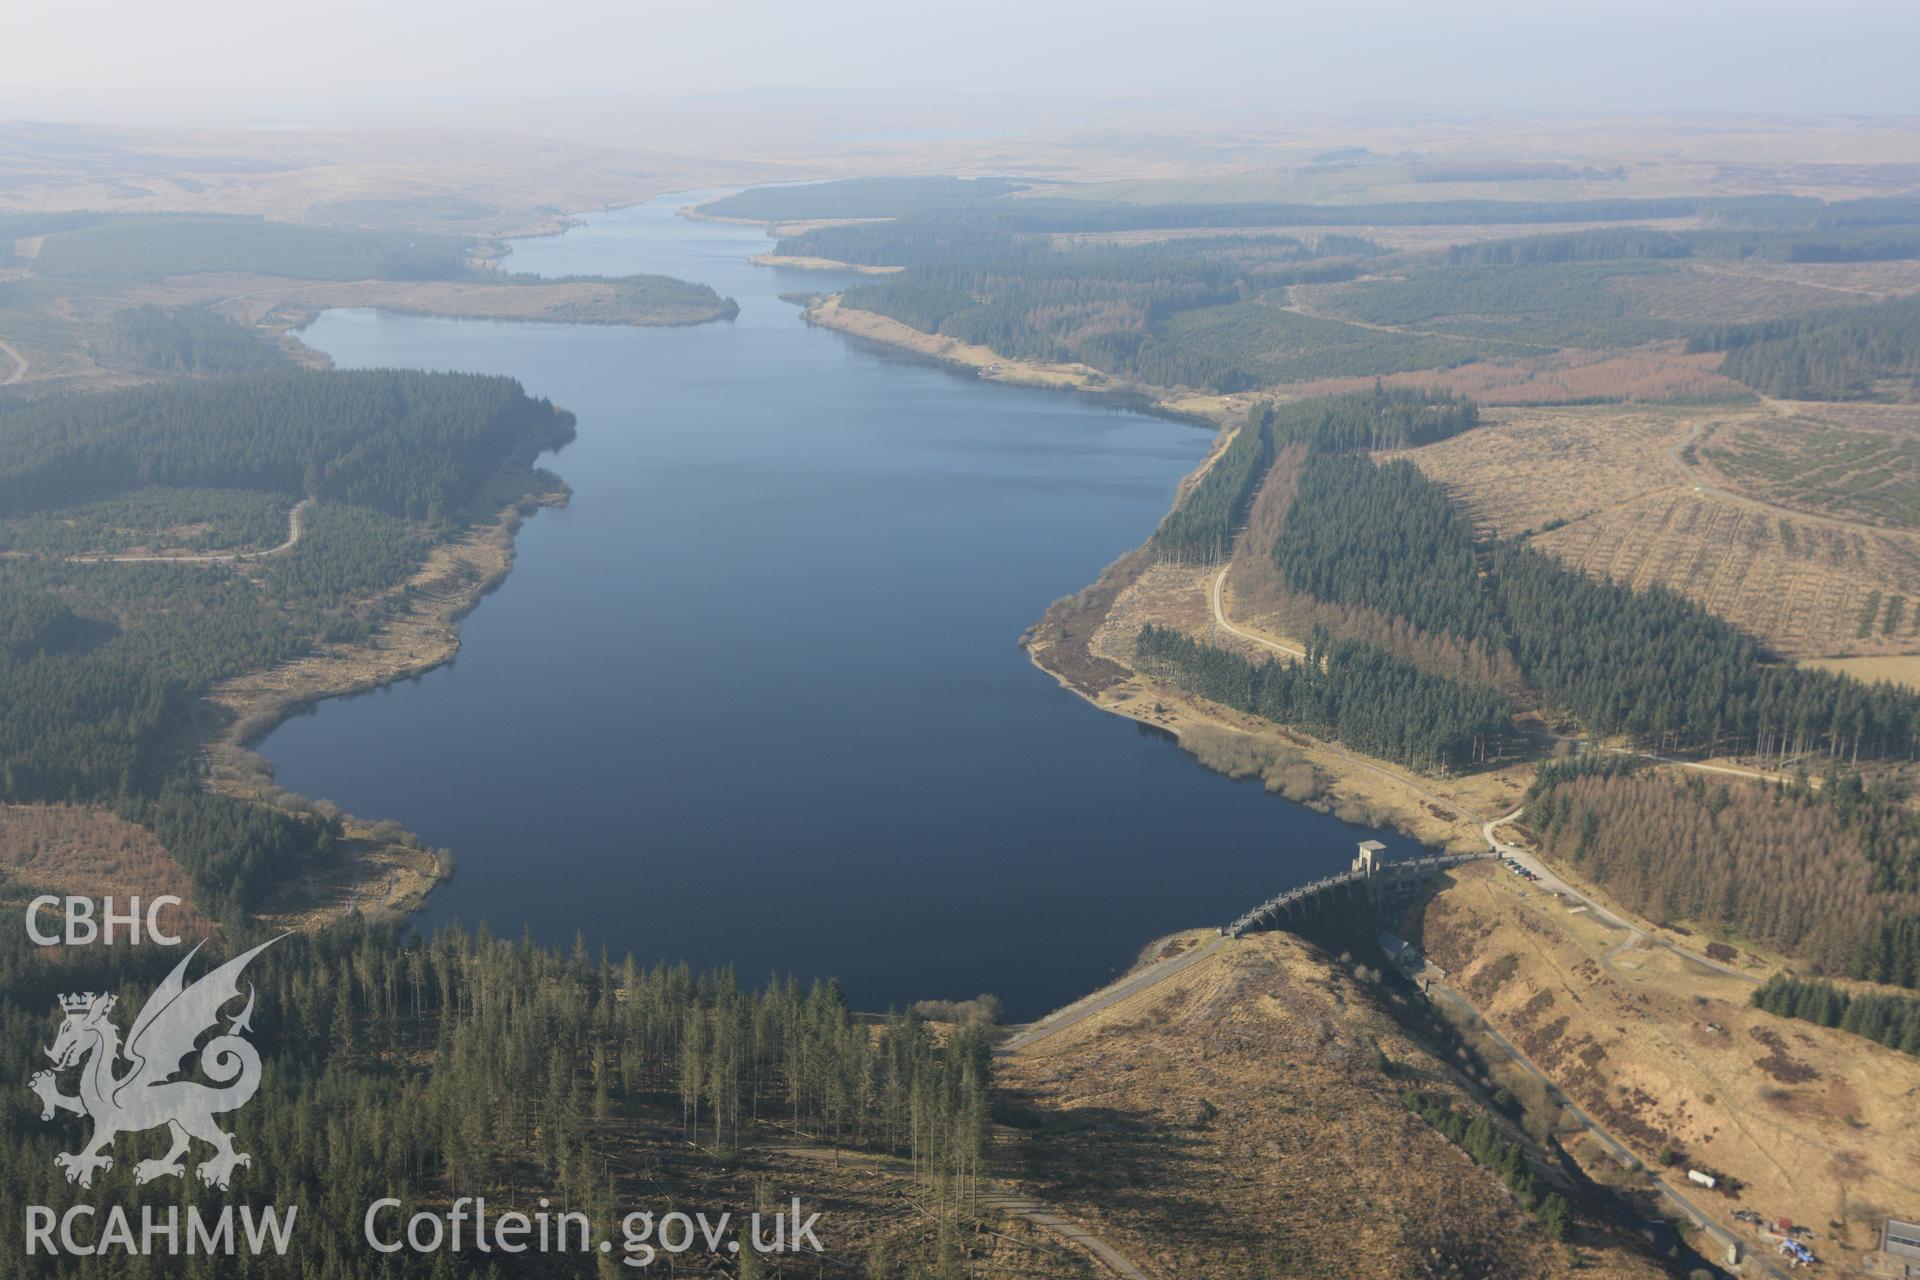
(1042, 1216)
(19, 372)
(1359, 762)
(1037, 1212)
(295, 527)
(1698, 481)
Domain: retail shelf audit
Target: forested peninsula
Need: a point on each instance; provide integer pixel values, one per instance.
(108, 659)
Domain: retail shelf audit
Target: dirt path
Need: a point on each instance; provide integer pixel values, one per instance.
(19, 364)
(1037, 1212)
(1697, 480)
(294, 529)
(1359, 762)
(1047, 1220)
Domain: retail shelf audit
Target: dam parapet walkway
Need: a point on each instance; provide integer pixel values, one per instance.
(1383, 881)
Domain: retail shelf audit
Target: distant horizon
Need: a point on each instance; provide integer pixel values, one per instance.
(1848, 59)
(164, 111)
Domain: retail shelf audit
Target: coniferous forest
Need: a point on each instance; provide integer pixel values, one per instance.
(468, 1066)
(412, 444)
(1202, 527)
(1845, 354)
(195, 340)
(1345, 689)
(102, 662)
(1893, 1021)
(1040, 278)
(1828, 874)
(1649, 665)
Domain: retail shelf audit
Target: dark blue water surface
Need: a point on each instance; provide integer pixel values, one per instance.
(754, 698)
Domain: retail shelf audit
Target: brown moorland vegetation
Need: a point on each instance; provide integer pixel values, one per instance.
(91, 852)
(1805, 1121)
(1233, 1121)
(1655, 372)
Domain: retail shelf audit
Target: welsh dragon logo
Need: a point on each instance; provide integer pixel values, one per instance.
(146, 1095)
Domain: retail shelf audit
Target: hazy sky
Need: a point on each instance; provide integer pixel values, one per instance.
(262, 58)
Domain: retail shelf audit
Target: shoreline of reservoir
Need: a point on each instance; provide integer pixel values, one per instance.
(422, 637)
(867, 707)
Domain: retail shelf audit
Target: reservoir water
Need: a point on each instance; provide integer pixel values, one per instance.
(754, 697)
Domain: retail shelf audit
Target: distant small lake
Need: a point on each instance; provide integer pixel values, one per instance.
(755, 697)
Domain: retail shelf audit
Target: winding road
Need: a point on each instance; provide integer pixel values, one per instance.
(294, 528)
(1359, 762)
(1034, 1211)
(1635, 936)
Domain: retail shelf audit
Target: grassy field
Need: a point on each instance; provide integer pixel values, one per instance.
(1814, 1123)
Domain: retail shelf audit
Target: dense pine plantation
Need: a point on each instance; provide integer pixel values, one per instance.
(1202, 528)
(471, 1066)
(1647, 664)
(123, 247)
(417, 445)
(1345, 689)
(1833, 242)
(1830, 875)
(195, 519)
(1107, 307)
(1010, 205)
(1845, 354)
(194, 340)
(1387, 538)
(987, 263)
(1893, 1021)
